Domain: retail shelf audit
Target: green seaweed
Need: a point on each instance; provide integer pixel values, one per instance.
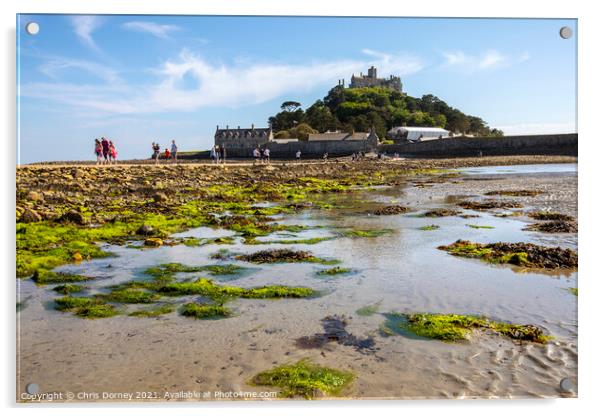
(203, 311)
(208, 288)
(304, 379)
(153, 312)
(431, 227)
(333, 271)
(68, 288)
(85, 307)
(452, 327)
(574, 291)
(488, 227)
(130, 295)
(365, 233)
(368, 310)
(45, 277)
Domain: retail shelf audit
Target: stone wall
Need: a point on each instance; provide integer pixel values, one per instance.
(313, 148)
(549, 144)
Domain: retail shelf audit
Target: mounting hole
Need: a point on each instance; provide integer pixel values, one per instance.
(32, 388)
(566, 385)
(566, 32)
(32, 28)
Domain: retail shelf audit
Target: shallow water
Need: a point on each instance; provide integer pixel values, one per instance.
(402, 271)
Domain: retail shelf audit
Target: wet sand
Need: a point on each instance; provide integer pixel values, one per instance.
(402, 272)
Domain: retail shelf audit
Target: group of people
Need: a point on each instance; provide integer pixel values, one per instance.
(167, 153)
(105, 151)
(261, 155)
(218, 154)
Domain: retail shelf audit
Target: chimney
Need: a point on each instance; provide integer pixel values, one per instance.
(238, 127)
(217, 127)
(252, 126)
(227, 127)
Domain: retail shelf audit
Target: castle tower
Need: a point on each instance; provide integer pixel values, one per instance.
(372, 72)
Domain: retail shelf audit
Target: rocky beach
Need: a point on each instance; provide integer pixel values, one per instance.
(414, 278)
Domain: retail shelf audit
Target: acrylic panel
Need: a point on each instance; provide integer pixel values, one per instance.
(291, 208)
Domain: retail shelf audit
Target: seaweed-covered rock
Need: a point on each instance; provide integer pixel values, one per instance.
(73, 216)
(29, 215)
(441, 212)
(145, 230)
(553, 227)
(520, 254)
(391, 210)
(489, 204)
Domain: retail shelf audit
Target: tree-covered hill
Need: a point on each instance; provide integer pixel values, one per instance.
(361, 108)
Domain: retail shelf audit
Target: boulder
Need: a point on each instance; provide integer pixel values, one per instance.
(73, 216)
(153, 242)
(35, 196)
(29, 215)
(160, 197)
(145, 230)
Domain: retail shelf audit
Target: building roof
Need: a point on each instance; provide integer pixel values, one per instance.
(419, 129)
(252, 132)
(338, 136)
(419, 133)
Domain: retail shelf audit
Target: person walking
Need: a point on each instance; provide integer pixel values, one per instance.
(212, 154)
(222, 152)
(266, 155)
(174, 151)
(156, 151)
(256, 155)
(98, 151)
(298, 155)
(105, 149)
(112, 152)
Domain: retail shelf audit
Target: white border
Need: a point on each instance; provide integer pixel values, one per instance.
(589, 188)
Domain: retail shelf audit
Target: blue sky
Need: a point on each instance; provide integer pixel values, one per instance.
(138, 79)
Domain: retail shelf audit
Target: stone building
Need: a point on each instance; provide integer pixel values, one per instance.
(241, 142)
(372, 80)
(245, 138)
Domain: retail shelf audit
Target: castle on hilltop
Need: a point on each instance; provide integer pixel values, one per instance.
(372, 80)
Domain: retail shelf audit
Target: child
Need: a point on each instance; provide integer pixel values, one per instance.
(167, 154)
(98, 151)
(112, 152)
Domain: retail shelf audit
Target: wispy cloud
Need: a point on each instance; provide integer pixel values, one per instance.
(157, 30)
(84, 26)
(489, 59)
(55, 67)
(189, 82)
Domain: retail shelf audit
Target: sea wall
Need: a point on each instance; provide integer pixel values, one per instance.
(548, 144)
(314, 148)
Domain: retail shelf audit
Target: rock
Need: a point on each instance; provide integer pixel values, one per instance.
(77, 256)
(145, 230)
(30, 215)
(153, 242)
(35, 196)
(160, 197)
(74, 217)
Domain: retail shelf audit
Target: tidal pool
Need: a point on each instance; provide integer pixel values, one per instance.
(400, 271)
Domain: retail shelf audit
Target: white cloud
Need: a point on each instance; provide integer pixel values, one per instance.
(190, 82)
(538, 128)
(489, 59)
(54, 67)
(84, 26)
(157, 30)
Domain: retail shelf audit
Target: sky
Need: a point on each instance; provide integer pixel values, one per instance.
(137, 79)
